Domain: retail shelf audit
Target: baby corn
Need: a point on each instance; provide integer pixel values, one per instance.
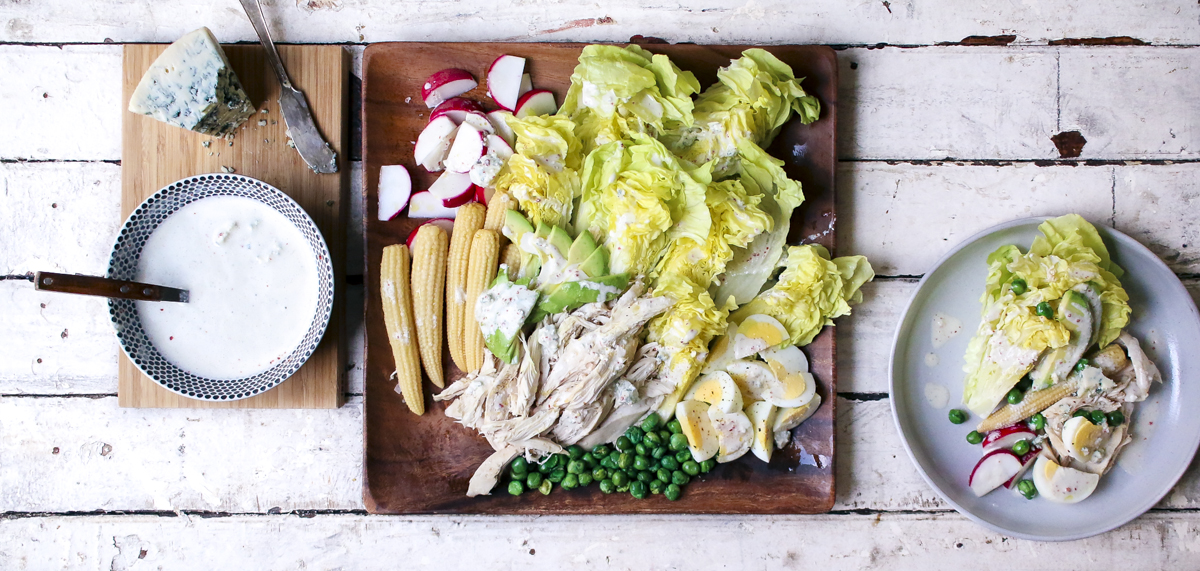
(485, 253)
(512, 259)
(428, 286)
(468, 219)
(1033, 403)
(398, 318)
(501, 202)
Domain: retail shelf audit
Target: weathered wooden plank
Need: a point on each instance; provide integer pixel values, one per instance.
(1133, 103)
(905, 217)
(885, 541)
(865, 336)
(725, 21)
(1157, 204)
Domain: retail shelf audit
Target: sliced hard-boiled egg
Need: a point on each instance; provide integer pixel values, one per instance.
(698, 428)
(721, 352)
(717, 388)
(762, 418)
(789, 357)
(757, 332)
(734, 433)
(788, 418)
(1062, 484)
(790, 389)
(1083, 439)
(753, 377)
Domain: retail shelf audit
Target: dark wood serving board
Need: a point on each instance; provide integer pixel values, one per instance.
(422, 464)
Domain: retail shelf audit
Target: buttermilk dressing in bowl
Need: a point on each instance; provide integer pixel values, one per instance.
(252, 280)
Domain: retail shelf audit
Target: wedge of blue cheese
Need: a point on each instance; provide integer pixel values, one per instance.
(192, 86)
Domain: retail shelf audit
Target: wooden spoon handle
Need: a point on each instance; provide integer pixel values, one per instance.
(105, 287)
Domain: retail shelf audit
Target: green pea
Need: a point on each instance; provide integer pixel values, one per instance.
(600, 474)
(549, 464)
(641, 463)
(678, 442)
(674, 426)
(631, 473)
(691, 467)
(570, 482)
(670, 463)
(1025, 383)
(974, 437)
(1044, 309)
(625, 460)
(601, 451)
(657, 486)
(576, 467)
(683, 456)
(533, 480)
(620, 479)
(1021, 447)
(516, 488)
(557, 475)
(679, 478)
(659, 452)
(651, 423)
(624, 488)
(585, 479)
(1019, 286)
(1037, 421)
(707, 466)
(640, 449)
(1027, 489)
(645, 476)
(664, 475)
(623, 444)
(652, 439)
(1079, 412)
(575, 451)
(589, 459)
(957, 416)
(1116, 418)
(1082, 364)
(638, 490)
(672, 492)
(545, 487)
(634, 434)
(1098, 417)
(519, 466)
(1014, 396)
(607, 486)
(665, 435)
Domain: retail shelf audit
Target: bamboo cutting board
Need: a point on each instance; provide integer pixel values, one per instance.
(422, 464)
(154, 154)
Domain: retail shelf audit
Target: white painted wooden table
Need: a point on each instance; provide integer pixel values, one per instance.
(940, 137)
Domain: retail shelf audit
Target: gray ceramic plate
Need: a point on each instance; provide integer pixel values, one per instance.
(124, 262)
(1165, 432)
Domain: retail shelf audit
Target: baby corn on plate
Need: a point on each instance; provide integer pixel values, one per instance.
(1068, 411)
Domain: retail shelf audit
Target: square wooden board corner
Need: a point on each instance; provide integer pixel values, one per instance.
(154, 154)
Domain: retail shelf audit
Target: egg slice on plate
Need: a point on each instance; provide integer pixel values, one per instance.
(789, 389)
(753, 377)
(762, 418)
(698, 428)
(1062, 484)
(719, 389)
(790, 358)
(734, 433)
(757, 332)
(1083, 439)
(788, 418)
(722, 351)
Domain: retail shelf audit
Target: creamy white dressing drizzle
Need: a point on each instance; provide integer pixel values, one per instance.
(504, 307)
(931, 359)
(944, 328)
(252, 281)
(936, 395)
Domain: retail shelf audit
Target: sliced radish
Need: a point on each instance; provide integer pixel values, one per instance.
(445, 84)
(499, 120)
(1026, 461)
(426, 205)
(434, 142)
(466, 150)
(451, 184)
(993, 471)
(456, 108)
(496, 145)
(480, 121)
(536, 102)
(483, 194)
(395, 188)
(1004, 438)
(526, 83)
(504, 80)
(446, 224)
(456, 201)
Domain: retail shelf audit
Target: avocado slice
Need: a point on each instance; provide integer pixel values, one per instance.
(515, 225)
(581, 248)
(596, 264)
(542, 230)
(570, 295)
(560, 240)
(1075, 312)
(530, 268)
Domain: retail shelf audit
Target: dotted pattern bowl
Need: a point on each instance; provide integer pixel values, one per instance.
(124, 262)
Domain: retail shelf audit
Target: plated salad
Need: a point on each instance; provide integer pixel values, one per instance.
(618, 284)
(1051, 369)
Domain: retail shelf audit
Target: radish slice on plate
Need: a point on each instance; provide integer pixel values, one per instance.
(993, 471)
(483, 194)
(446, 224)
(499, 120)
(466, 150)
(526, 84)
(536, 102)
(1004, 438)
(395, 188)
(1026, 461)
(443, 85)
(456, 108)
(456, 201)
(496, 145)
(451, 184)
(434, 142)
(426, 205)
(504, 80)
(480, 121)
